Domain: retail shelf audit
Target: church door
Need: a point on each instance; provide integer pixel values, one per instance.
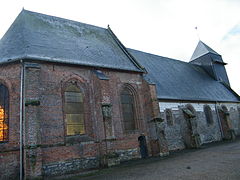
(143, 146)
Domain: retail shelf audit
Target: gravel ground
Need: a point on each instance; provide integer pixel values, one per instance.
(213, 162)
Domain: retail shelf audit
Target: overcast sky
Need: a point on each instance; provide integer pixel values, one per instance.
(162, 27)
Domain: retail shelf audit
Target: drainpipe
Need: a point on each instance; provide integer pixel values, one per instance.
(21, 119)
(219, 122)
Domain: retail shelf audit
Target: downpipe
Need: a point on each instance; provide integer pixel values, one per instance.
(21, 120)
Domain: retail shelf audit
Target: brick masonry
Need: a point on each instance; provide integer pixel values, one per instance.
(47, 149)
(9, 151)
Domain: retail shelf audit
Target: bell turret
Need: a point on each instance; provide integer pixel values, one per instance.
(211, 62)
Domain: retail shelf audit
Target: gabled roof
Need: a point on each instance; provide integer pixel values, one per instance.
(41, 37)
(201, 50)
(177, 80)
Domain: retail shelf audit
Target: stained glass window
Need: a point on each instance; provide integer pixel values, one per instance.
(3, 113)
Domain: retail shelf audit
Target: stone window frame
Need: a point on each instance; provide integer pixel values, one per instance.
(208, 114)
(132, 90)
(81, 86)
(5, 108)
(170, 120)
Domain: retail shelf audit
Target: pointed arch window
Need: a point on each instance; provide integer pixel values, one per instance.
(128, 110)
(4, 108)
(169, 117)
(74, 110)
(208, 114)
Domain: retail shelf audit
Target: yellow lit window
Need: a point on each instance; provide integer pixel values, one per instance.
(3, 126)
(3, 113)
(74, 110)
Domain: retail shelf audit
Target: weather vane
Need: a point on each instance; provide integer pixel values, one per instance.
(196, 28)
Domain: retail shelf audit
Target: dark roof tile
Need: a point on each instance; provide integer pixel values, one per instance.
(48, 38)
(177, 80)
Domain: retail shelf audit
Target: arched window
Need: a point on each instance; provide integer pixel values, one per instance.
(4, 107)
(169, 117)
(208, 114)
(74, 110)
(128, 110)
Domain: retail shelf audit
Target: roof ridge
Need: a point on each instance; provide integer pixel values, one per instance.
(61, 18)
(159, 56)
(61, 40)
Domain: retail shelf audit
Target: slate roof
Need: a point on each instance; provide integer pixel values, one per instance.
(201, 50)
(177, 80)
(41, 37)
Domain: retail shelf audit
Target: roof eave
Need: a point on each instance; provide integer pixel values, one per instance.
(27, 57)
(195, 100)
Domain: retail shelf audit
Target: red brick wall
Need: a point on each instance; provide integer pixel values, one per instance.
(45, 138)
(9, 151)
(49, 80)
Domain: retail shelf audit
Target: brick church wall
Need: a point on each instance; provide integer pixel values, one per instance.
(47, 149)
(9, 151)
(47, 144)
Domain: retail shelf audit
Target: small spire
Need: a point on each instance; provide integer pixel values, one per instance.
(201, 50)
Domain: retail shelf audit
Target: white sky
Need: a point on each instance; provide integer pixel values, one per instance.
(162, 27)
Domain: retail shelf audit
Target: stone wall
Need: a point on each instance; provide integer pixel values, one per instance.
(234, 115)
(70, 166)
(208, 132)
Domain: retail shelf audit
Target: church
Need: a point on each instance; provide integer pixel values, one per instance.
(73, 98)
